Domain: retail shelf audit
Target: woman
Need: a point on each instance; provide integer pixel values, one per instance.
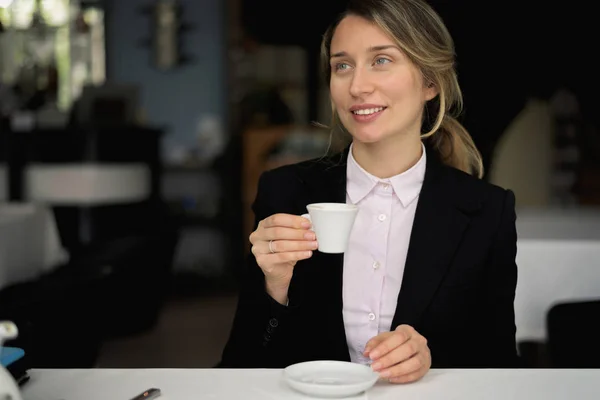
(429, 276)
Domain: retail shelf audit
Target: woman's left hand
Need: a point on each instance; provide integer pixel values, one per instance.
(401, 356)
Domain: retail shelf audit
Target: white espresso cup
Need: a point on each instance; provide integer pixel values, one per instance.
(332, 224)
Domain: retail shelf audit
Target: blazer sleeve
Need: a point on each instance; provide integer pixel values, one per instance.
(501, 282)
(260, 323)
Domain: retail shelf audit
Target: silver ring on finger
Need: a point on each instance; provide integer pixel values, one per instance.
(271, 247)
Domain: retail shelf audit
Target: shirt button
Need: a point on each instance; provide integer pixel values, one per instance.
(386, 186)
(376, 265)
(381, 217)
(371, 317)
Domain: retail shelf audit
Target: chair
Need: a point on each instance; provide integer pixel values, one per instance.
(573, 334)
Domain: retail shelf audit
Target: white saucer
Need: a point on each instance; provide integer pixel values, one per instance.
(330, 378)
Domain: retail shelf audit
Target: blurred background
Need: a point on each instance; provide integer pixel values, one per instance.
(133, 133)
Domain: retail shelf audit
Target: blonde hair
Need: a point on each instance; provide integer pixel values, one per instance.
(421, 34)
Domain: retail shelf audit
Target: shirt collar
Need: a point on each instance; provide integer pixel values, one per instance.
(407, 185)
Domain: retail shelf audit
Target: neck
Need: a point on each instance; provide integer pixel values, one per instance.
(384, 159)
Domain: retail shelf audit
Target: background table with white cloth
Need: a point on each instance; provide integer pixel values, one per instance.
(558, 257)
(30, 243)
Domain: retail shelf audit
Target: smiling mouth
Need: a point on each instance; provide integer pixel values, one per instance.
(368, 111)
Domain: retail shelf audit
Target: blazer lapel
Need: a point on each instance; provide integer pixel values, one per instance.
(436, 234)
(325, 182)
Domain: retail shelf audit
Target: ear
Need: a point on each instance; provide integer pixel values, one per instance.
(430, 91)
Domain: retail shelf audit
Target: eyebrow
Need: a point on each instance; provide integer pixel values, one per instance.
(370, 50)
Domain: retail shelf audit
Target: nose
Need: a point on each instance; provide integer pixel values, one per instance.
(361, 83)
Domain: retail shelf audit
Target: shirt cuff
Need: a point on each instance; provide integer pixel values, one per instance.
(278, 309)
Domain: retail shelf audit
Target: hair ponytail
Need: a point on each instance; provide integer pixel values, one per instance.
(456, 147)
(447, 136)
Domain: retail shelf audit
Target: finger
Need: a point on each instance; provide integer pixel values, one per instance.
(280, 233)
(283, 246)
(283, 233)
(375, 341)
(397, 355)
(404, 367)
(396, 339)
(286, 220)
(281, 258)
(411, 377)
(415, 374)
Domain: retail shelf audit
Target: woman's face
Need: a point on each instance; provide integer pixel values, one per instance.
(377, 91)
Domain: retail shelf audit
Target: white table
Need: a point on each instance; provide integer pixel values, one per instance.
(215, 384)
(550, 272)
(558, 256)
(87, 184)
(29, 242)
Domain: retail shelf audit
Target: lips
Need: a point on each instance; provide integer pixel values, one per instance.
(367, 111)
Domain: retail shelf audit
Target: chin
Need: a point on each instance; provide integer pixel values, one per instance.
(364, 136)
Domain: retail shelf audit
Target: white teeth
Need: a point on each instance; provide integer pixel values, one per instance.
(368, 111)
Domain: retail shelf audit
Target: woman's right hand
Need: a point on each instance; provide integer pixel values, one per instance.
(278, 243)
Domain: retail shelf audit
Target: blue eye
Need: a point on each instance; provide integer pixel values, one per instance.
(341, 66)
(381, 61)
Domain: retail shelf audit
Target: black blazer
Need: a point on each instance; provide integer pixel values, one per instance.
(458, 287)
